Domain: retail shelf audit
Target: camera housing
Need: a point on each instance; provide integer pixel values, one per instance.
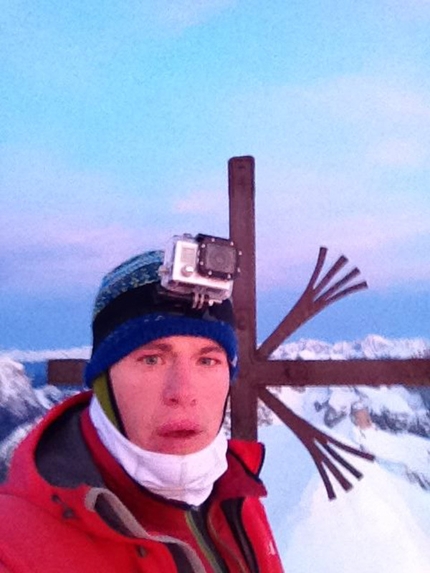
(202, 266)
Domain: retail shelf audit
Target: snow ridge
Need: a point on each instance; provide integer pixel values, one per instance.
(372, 346)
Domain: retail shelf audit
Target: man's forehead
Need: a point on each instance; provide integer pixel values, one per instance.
(179, 342)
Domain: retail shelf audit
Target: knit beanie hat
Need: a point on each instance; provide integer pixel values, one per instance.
(129, 312)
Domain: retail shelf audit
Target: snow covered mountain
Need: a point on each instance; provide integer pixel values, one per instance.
(21, 406)
(395, 409)
(19, 401)
(371, 347)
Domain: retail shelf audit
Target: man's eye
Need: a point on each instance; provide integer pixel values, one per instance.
(207, 361)
(150, 359)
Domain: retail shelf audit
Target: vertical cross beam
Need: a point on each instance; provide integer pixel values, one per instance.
(241, 190)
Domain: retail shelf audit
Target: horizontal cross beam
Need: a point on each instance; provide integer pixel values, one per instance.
(410, 372)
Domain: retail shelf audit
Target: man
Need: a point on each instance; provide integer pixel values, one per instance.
(138, 475)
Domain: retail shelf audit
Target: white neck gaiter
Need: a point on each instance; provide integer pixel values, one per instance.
(188, 478)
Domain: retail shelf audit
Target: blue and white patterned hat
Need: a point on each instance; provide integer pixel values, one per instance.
(129, 313)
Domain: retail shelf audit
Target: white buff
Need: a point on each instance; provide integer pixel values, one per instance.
(188, 478)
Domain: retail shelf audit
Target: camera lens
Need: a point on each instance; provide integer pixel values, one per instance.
(220, 258)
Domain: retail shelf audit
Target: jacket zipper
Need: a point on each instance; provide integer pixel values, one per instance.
(197, 524)
(240, 562)
(242, 537)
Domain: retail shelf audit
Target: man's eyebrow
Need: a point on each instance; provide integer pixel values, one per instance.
(166, 347)
(155, 346)
(211, 348)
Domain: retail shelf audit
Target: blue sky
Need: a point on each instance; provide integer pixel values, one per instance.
(117, 120)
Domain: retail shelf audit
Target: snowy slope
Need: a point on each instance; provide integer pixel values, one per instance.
(381, 526)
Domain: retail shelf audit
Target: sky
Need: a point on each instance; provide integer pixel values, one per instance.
(117, 120)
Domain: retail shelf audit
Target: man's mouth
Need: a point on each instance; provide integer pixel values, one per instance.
(183, 429)
(182, 434)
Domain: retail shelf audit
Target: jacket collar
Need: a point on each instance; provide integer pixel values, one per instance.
(43, 470)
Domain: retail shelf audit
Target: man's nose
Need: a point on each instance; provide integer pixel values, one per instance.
(180, 387)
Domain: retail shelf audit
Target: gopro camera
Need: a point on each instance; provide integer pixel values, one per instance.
(202, 266)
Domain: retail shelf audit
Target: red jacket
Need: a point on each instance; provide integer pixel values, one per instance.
(58, 515)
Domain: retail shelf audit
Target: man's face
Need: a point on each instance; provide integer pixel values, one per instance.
(171, 393)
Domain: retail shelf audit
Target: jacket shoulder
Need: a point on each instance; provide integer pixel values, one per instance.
(34, 540)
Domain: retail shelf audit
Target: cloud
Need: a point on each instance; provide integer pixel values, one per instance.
(408, 9)
(54, 257)
(379, 221)
(182, 14)
(399, 152)
(50, 185)
(371, 99)
(341, 127)
(48, 181)
(390, 249)
(63, 227)
(200, 202)
(365, 100)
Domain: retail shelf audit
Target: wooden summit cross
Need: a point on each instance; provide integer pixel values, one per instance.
(257, 371)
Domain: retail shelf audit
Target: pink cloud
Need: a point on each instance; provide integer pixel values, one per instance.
(399, 153)
(374, 229)
(62, 256)
(202, 202)
(181, 14)
(370, 99)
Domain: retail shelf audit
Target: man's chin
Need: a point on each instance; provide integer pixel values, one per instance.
(181, 443)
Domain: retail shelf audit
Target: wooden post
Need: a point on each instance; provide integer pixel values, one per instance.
(68, 372)
(242, 230)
